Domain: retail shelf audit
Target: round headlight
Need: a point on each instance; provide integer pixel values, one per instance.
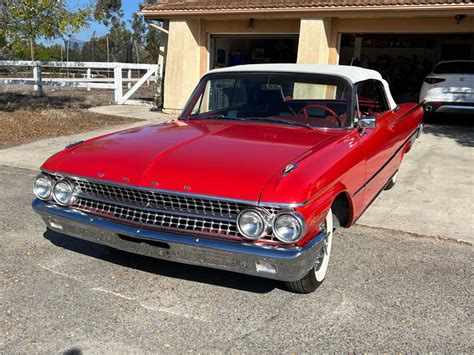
(251, 224)
(42, 187)
(288, 227)
(63, 192)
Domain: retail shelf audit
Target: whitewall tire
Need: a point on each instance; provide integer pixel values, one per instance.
(315, 277)
(321, 269)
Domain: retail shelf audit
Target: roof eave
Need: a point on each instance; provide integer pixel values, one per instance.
(321, 11)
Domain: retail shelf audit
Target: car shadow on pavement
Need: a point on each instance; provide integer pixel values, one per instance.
(162, 267)
(460, 129)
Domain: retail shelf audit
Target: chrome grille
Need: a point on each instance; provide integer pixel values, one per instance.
(160, 210)
(159, 219)
(159, 200)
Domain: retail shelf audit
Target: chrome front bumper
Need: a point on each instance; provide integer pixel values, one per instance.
(285, 264)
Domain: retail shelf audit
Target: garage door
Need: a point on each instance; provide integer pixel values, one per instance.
(230, 50)
(404, 59)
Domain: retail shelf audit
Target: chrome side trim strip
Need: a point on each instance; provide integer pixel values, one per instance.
(406, 114)
(282, 205)
(177, 193)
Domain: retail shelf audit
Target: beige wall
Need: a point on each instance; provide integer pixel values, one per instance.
(314, 41)
(182, 63)
(259, 27)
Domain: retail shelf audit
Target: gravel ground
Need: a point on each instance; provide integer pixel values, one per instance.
(386, 291)
(25, 117)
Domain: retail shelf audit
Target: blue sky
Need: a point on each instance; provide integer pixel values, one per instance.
(128, 6)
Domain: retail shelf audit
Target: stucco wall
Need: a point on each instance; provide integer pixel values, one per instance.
(182, 63)
(314, 41)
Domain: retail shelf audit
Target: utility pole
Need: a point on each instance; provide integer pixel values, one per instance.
(136, 50)
(67, 53)
(67, 48)
(108, 55)
(92, 46)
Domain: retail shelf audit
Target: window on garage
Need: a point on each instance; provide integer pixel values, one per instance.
(230, 50)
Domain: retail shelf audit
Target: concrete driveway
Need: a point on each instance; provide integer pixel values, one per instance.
(434, 194)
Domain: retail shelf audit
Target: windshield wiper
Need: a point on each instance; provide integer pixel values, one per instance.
(280, 120)
(269, 118)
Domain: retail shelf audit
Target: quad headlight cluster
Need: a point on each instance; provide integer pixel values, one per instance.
(61, 191)
(287, 227)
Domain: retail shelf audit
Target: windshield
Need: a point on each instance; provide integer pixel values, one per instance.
(313, 101)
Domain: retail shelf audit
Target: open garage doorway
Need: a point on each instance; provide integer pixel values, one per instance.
(230, 50)
(404, 59)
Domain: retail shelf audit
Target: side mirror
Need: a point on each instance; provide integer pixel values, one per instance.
(367, 122)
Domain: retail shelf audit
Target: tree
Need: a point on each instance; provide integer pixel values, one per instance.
(138, 34)
(106, 10)
(28, 20)
(139, 39)
(152, 44)
(119, 41)
(145, 37)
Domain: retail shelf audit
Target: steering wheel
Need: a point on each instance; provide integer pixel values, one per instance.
(325, 108)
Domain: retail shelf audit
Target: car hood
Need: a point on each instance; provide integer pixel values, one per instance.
(217, 158)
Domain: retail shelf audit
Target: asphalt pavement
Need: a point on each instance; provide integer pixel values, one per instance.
(385, 291)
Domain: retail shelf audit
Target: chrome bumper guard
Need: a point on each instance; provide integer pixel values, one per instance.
(284, 264)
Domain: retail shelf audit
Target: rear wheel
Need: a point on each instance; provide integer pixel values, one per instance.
(392, 182)
(315, 277)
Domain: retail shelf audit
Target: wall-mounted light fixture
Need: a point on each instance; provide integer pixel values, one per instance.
(251, 24)
(459, 18)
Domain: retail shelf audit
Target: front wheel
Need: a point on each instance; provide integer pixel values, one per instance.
(315, 277)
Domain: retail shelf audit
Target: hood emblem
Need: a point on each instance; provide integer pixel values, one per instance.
(289, 168)
(126, 179)
(101, 175)
(187, 187)
(154, 183)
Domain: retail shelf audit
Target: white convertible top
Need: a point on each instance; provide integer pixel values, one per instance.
(352, 74)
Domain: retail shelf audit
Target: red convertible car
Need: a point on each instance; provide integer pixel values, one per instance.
(263, 164)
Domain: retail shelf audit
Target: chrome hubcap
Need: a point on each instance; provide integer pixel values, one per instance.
(325, 245)
(324, 249)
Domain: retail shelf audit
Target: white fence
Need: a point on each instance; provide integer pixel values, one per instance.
(88, 79)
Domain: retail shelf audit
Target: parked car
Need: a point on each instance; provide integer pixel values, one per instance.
(263, 164)
(449, 88)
